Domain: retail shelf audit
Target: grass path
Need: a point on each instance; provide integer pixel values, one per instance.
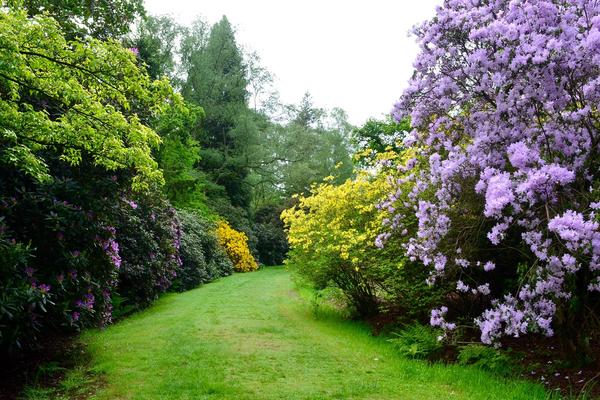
(250, 336)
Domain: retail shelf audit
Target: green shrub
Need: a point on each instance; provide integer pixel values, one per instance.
(418, 341)
(149, 238)
(334, 240)
(203, 260)
(194, 270)
(272, 243)
(486, 358)
(332, 235)
(18, 299)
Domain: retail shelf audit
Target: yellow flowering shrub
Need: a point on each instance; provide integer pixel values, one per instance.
(332, 234)
(334, 220)
(235, 244)
(339, 222)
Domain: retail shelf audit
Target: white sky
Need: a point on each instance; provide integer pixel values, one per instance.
(353, 54)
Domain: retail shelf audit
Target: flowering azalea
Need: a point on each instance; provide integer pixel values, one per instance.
(504, 102)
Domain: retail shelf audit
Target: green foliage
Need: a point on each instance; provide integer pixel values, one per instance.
(376, 137)
(149, 238)
(203, 259)
(122, 306)
(405, 287)
(75, 99)
(487, 358)
(183, 182)
(103, 20)
(216, 80)
(17, 298)
(316, 145)
(155, 39)
(70, 242)
(272, 245)
(57, 272)
(216, 73)
(194, 270)
(418, 341)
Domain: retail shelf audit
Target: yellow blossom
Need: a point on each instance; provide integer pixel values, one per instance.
(236, 246)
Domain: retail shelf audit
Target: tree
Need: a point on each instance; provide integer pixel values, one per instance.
(216, 76)
(376, 137)
(156, 40)
(76, 99)
(259, 81)
(504, 105)
(75, 139)
(216, 79)
(81, 18)
(314, 145)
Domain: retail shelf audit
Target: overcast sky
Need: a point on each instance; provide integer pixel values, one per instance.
(352, 54)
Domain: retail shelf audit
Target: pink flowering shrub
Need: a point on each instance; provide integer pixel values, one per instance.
(504, 105)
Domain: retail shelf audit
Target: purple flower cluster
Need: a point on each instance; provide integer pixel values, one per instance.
(131, 203)
(504, 105)
(87, 303)
(438, 318)
(176, 229)
(41, 287)
(111, 247)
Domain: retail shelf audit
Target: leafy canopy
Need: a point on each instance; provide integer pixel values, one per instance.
(103, 20)
(77, 99)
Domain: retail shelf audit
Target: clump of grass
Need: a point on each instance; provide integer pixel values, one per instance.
(488, 359)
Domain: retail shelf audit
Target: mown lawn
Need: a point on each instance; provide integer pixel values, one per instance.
(250, 336)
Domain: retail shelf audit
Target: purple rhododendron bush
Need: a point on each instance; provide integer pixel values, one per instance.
(70, 248)
(504, 105)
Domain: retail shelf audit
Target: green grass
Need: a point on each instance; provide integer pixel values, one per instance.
(251, 336)
(78, 383)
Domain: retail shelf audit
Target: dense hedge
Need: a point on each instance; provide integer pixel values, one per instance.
(73, 250)
(149, 237)
(203, 259)
(60, 255)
